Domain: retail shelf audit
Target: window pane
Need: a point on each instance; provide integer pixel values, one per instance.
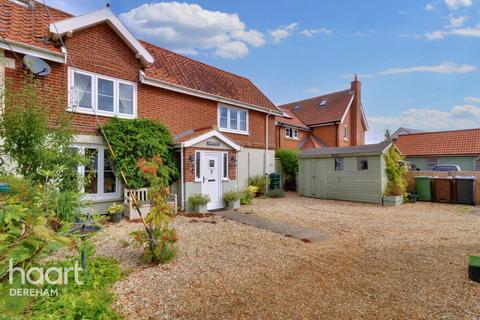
(125, 101)
(338, 164)
(91, 169)
(362, 164)
(197, 165)
(225, 165)
(243, 120)
(233, 119)
(105, 95)
(223, 117)
(82, 90)
(109, 180)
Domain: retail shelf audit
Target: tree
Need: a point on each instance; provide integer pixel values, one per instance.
(388, 136)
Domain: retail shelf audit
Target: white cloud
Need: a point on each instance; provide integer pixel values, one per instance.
(188, 28)
(403, 12)
(472, 99)
(283, 32)
(456, 22)
(445, 67)
(461, 32)
(429, 7)
(313, 91)
(312, 32)
(459, 117)
(457, 4)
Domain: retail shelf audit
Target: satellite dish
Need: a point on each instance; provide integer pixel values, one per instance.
(36, 65)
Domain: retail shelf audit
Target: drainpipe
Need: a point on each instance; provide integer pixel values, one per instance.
(182, 178)
(266, 141)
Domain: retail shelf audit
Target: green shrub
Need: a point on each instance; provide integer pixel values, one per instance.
(137, 140)
(38, 142)
(164, 249)
(276, 193)
(248, 195)
(288, 159)
(396, 185)
(233, 195)
(259, 181)
(198, 199)
(91, 300)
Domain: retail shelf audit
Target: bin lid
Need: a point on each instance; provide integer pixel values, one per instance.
(466, 177)
(423, 177)
(443, 178)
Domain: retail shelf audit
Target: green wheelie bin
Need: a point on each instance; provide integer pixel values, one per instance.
(424, 188)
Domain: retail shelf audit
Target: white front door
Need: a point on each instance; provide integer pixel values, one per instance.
(211, 179)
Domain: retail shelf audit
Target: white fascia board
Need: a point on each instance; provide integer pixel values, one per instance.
(33, 51)
(68, 26)
(201, 94)
(208, 135)
(348, 108)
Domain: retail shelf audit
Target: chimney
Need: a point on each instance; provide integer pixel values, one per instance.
(356, 131)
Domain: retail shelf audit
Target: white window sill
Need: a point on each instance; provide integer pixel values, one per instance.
(288, 138)
(101, 113)
(225, 179)
(245, 133)
(345, 139)
(103, 197)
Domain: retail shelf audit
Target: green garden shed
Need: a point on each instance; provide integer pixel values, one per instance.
(344, 173)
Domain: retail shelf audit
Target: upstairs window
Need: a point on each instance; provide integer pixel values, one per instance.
(345, 133)
(291, 133)
(92, 93)
(232, 119)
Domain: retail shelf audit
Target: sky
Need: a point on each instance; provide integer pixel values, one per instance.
(418, 61)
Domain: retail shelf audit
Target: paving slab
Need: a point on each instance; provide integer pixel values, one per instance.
(286, 229)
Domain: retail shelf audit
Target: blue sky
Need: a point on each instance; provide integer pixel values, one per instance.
(418, 60)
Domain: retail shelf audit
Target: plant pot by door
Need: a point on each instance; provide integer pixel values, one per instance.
(234, 204)
(116, 217)
(392, 201)
(201, 208)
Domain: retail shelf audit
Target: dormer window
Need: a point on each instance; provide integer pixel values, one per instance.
(291, 133)
(297, 107)
(324, 102)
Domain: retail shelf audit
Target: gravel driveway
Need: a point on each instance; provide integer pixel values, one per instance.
(407, 262)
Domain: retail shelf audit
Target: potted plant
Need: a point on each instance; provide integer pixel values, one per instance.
(232, 198)
(198, 201)
(396, 188)
(393, 196)
(115, 212)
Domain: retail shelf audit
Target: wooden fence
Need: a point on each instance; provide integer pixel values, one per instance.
(412, 174)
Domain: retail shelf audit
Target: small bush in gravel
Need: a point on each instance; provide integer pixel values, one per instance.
(248, 195)
(233, 195)
(260, 182)
(198, 199)
(277, 193)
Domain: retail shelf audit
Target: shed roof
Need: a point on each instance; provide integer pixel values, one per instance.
(370, 149)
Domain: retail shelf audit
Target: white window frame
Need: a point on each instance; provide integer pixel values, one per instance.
(237, 131)
(116, 95)
(345, 133)
(100, 196)
(294, 131)
(199, 164)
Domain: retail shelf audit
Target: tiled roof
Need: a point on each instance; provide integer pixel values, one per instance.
(311, 141)
(190, 134)
(291, 120)
(311, 113)
(176, 69)
(30, 26)
(458, 142)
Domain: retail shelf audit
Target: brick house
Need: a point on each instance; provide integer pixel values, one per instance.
(223, 125)
(428, 149)
(333, 120)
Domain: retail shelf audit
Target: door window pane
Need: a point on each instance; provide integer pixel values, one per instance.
(109, 180)
(225, 165)
(197, 165)
(233, 119)
(105, 95)
(125, 101)
(82, 90)
(91, 170)
(223, 117)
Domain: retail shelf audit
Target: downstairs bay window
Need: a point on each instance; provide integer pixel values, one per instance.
(100, 180)
(93, 93)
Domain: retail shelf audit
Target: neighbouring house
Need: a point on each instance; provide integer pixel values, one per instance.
(428, 149)
(222, 123)
(355, 173)
(333, 120)
(403, 130)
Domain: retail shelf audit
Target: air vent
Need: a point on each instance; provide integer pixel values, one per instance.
(297, 107)
(324, 102)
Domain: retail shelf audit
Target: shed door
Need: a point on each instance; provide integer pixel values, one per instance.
(320, 177)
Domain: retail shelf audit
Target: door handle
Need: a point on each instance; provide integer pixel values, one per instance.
(203, 179)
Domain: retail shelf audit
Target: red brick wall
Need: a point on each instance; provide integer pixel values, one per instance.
(328, 134)
(190, 171)
(99, 49)
(282, 142)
